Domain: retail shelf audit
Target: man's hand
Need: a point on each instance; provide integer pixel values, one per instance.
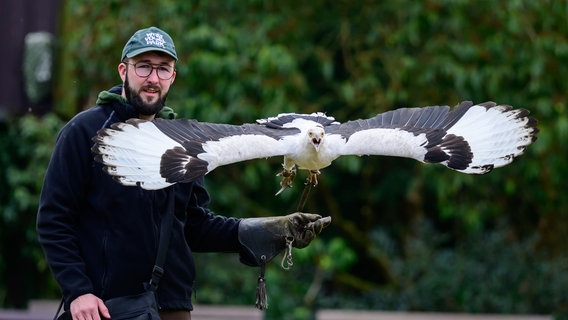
(88, 307)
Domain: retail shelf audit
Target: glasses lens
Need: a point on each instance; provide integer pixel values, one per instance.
(145, 69)
(164, 73)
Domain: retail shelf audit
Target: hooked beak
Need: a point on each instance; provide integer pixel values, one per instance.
(316, 142)
(316, 138)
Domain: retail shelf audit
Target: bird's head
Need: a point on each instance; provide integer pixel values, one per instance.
(315, 135)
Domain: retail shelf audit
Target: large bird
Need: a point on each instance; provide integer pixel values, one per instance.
(471, 138)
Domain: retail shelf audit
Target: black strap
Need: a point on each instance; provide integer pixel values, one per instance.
(58, 309)
(165, 233)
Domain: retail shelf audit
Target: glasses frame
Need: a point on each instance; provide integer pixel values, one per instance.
(153, 66)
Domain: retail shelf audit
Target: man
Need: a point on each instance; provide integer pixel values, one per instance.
(100, 238)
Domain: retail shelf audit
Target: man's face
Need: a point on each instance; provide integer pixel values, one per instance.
(146, 82)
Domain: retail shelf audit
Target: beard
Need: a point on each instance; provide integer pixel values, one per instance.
(142, 107)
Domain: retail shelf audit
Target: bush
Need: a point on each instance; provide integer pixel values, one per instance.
(25, 149)
(487, 272)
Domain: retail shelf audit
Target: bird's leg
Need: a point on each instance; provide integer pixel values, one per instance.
(313, 177)
(288, 174)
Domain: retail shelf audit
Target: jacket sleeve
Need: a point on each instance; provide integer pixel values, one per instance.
(62, 193)
(207, 232)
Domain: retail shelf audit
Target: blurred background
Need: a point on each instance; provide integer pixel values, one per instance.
(405, 236)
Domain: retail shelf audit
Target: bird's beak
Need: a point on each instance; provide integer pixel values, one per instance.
(316, 142)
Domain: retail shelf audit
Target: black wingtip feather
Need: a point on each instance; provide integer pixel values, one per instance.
(453, 149)
(177, 166)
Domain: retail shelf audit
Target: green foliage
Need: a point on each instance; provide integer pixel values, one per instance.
(291, 293)
(491, 272)
(24, 153)
(243, 60)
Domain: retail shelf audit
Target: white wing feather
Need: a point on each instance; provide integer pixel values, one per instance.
(238, 148)
(496, 135)
(386, 142)
(132, 154)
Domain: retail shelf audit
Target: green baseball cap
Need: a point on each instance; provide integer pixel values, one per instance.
(149, 39)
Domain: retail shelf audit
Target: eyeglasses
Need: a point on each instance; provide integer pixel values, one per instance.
(144, 70)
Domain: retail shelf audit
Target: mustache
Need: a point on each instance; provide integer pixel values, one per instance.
(151, 88)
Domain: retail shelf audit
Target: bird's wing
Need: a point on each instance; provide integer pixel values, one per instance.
(156, 154)
(470, 138)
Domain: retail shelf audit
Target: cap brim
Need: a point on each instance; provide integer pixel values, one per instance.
(134, 53)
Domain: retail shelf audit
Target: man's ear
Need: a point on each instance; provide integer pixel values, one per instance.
(122, 71)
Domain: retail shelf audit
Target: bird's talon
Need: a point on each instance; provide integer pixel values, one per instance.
(287, 179)
(281, 190)
(312, 177)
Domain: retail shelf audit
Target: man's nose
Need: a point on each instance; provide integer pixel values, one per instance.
(153, 76)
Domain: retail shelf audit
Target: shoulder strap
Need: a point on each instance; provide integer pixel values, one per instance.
(56, 317)
(165, 232)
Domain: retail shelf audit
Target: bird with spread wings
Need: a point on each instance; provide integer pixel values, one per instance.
(470, 138)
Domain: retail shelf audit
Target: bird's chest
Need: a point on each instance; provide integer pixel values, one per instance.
(309, 158)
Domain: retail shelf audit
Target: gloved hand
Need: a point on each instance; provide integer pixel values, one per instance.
(264, 238)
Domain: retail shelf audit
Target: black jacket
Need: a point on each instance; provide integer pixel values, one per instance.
(101, 237)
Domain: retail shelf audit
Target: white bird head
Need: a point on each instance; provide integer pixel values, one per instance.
(316, 135)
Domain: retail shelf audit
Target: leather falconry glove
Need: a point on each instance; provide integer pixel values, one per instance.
(264, 238)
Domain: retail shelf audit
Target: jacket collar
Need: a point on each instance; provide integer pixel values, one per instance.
(113, 97)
